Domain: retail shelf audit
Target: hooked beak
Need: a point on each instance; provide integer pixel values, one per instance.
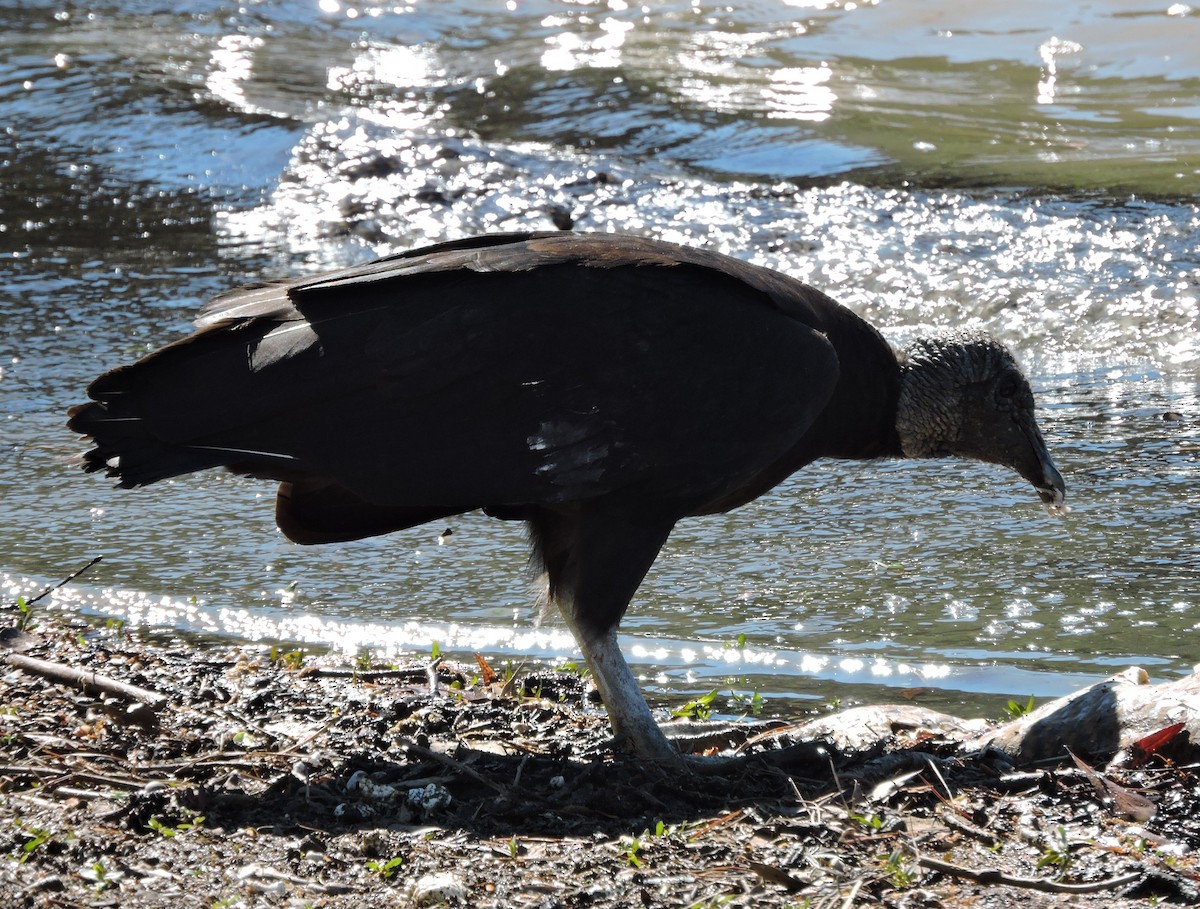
(1038, 468)
(1054, 491)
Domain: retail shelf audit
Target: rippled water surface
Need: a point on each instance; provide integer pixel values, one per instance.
(1021, 167)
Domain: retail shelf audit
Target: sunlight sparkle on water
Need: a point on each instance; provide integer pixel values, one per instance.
(232, 65)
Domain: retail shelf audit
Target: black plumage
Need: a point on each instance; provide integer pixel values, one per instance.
(598, 387)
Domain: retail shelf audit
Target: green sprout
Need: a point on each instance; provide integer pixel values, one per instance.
(1057, 853)
(633, 845)
(697, 708)
(751, 705)
(165, 830)
(1014, 710)
(291, 659)
(38, 837)
(26, 621)
(901, 872)
(386, 869)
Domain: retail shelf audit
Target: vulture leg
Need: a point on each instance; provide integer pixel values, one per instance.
(594, 563)
(633, 726)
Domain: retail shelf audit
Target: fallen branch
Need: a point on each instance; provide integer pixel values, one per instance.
(86, 680)
(994, 876)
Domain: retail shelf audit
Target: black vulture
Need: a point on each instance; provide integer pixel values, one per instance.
(598, 387)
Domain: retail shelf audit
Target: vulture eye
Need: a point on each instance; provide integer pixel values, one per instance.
(1008, 386)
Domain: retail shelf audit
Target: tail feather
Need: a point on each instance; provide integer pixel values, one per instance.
(127, 451)
(163, 416)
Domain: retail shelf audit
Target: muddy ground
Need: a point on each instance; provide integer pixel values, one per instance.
(236, 777)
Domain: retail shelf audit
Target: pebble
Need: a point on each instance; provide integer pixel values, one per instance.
(441, 887)
(430, 798)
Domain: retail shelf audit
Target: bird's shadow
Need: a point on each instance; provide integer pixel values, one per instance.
(502, 795)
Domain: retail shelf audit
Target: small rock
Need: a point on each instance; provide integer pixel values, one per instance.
(363, 785)
(429, 798)
(433, 889)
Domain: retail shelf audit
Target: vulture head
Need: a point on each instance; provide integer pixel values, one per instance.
(964, 395)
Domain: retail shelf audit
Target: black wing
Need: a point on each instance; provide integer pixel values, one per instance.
(509, 370)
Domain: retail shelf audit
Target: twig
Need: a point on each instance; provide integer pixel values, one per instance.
(71, 792)
(445, 759)
(853, 894)
(64, 582)
(778, 876)
(714, 824)
(510, 687)
(97, 779)
(994, 876)
(432, 676)
(34, 800)
(237, 761)
(59, 672)
(370, 675)
(520, 769)
(953, 819)
(253, 727)
(29, 769)
(300, 743)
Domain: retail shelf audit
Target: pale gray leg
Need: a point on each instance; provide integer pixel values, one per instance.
(633, 726)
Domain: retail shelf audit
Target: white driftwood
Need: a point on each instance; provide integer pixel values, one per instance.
(860, 728)
(1101, 720)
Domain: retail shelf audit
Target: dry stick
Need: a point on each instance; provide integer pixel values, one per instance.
(993, 876)
(777, 876)
(520, 769)
(713, 825)
(415, 674)
(70, 792)
(951, 818)
(30, 770)
(64, 582)
(300, 743)
(853, 894)
(432, 676)
(457, 766)
(85, 680)
(97, 779)
(70, 675)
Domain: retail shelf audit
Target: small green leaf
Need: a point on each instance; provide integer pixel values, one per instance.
(698, 708)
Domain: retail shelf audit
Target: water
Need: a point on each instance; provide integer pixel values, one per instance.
(1028, 168)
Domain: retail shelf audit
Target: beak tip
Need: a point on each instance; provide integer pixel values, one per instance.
(1054, 495)
(1054, 498)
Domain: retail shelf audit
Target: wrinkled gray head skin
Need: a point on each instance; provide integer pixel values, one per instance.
(964, 395)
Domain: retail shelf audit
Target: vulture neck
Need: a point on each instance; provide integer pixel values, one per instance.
(859, 422)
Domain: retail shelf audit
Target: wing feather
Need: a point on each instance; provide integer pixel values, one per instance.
(507, 370)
